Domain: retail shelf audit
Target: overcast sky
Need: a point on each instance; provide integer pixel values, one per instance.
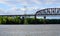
(31, 6)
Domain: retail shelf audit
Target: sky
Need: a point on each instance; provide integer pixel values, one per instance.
(26, 6)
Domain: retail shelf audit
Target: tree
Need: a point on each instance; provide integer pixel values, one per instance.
(17, 20)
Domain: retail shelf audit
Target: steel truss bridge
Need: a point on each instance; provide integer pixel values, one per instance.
(43, 12)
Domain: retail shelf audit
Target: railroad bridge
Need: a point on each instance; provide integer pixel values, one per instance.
(43, 12)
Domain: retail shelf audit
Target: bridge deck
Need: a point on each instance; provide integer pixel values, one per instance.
(17, 15)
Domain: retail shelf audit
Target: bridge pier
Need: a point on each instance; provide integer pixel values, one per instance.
(44, 19)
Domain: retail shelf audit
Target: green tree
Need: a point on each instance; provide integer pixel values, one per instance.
(4, 19)
(17, 20)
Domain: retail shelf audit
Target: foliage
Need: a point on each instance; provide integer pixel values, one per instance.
(18, 20)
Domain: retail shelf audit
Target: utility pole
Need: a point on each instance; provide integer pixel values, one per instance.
(25, 14)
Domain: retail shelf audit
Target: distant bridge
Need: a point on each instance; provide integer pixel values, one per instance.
(43, 12)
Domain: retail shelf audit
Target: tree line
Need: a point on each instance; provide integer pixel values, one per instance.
(18, 20)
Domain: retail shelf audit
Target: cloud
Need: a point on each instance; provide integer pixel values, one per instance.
(29, 2)
(13, 2)
(2, 11)
(51, 2)
(6, 3)
(20, 11)
(15, 11)
(32, 3)
(36, 1)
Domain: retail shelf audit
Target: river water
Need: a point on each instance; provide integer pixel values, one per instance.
(50, 17)
(30, 30)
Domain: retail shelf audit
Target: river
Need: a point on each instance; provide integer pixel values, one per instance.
(30, 30)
